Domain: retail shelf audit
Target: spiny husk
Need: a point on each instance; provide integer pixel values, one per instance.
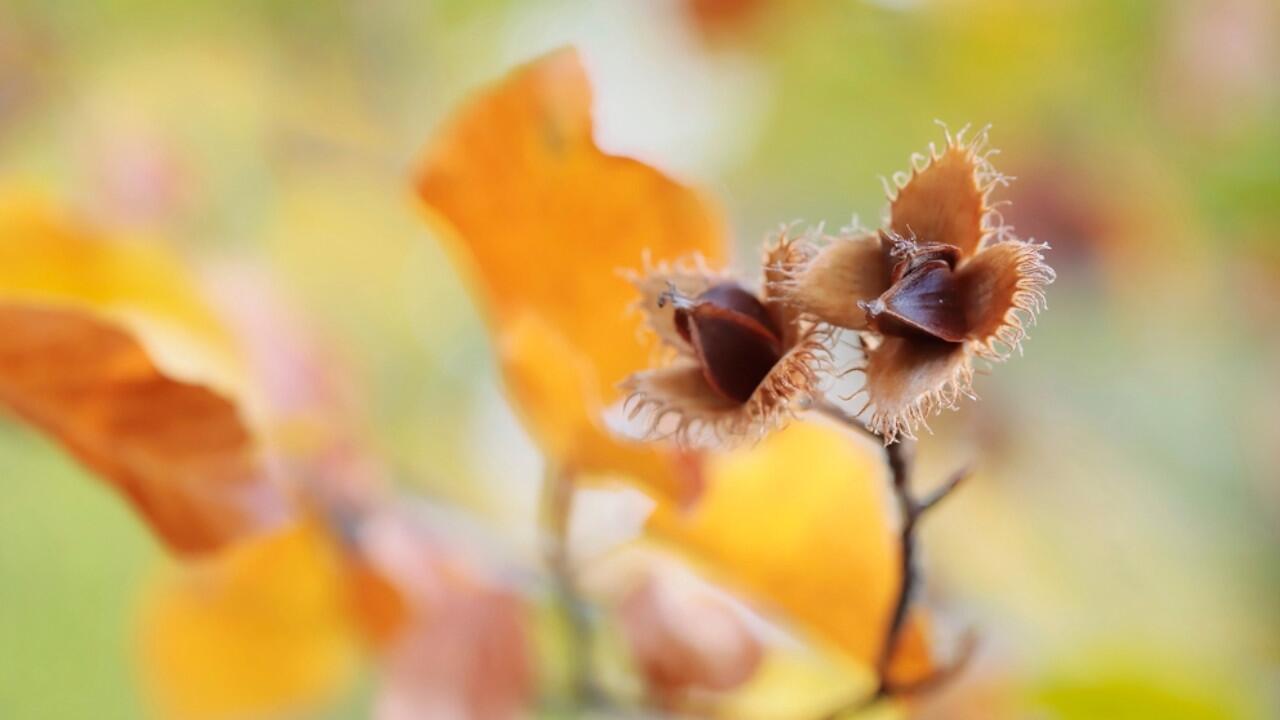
(689, 276)
(827, 281)
(1003, 291)
(908, 381)
(944, 198)
(676, 402)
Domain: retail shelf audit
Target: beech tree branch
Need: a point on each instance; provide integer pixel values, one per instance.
(900, 458)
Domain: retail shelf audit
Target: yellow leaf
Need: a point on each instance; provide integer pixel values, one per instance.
(264, 629)
(792, 683)
(46, 256)
(179, 452)
(551, 387)
(801, 522)
(542, 221)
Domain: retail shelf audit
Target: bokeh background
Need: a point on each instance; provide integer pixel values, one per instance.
(1119, 548)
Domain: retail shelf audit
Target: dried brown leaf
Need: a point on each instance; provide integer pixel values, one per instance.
(179, 452)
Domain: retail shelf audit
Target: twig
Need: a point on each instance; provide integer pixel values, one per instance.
(943, 491)
(557, 503)
(899, 457)
(835, 412)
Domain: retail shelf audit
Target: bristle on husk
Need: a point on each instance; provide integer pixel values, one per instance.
(688, 276)
(828, 281)
(945, 198)
(1003, 290)
(908, 381)
(677, 404)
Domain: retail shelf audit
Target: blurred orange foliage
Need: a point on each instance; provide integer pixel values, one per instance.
(178, 451)
(542, 222)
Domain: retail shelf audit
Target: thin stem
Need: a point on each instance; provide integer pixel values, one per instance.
(944, 490)
(899, 457)
(835, 412)
(557, 505)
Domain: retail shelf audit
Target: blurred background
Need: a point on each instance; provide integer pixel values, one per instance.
(1120, 547)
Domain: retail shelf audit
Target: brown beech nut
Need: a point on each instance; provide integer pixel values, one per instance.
(740, 363)
(924, 300)
(943, 283)
(736, 341)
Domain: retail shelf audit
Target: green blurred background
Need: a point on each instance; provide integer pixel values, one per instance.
(1120, 550)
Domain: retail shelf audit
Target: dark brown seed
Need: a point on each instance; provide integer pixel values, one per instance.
(925, 302)
(736, 340)
(910, 256)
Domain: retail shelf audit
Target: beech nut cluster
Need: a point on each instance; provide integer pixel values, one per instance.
(944, 282)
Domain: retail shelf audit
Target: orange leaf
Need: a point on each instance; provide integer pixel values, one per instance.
(913, 658)
(379, 608)
(551, 385)
(177, 451)
(543, 221)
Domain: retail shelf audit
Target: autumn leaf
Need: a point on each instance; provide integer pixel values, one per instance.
(802, 523)
(705, 645)
(275, 626)
(553, 383)
(542, 221)
(178, 452)
(913, 659)
(49, 257)
(262, 629)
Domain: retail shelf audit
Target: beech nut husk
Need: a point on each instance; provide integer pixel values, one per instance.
(739, 363)
(944, 282)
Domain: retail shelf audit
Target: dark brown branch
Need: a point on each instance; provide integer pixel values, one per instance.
(899, 457)
(943, 491)
(835, 412)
